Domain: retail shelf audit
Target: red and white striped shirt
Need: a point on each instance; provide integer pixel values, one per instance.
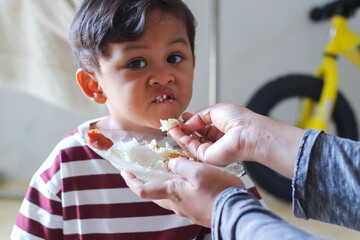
(76, 194)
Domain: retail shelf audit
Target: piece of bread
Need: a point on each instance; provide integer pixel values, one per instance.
(166, 125)
(149, 155)
(147, 161)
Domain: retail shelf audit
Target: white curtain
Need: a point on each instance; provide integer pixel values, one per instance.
(35, 55)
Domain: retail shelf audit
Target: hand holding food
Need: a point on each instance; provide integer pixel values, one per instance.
(146, 160)
(234, 133)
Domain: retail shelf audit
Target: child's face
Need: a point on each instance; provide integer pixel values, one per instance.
(151, 78)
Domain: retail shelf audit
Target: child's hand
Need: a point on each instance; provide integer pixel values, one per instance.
(192, 195)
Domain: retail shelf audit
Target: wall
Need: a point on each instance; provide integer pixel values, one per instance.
(265, 39)
(30, 129)
(259, 41)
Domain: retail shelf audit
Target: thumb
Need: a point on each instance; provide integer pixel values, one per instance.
(186, 168)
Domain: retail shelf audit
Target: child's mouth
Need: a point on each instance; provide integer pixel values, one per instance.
(163, 98)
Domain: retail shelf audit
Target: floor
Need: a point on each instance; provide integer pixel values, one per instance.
(317, 228)
(10, 200)
(10, 207)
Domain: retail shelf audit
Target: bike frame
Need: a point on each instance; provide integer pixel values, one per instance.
(342, 41)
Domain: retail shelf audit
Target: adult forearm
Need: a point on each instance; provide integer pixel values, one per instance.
(238, 215)
(327, 180)
(278, 145)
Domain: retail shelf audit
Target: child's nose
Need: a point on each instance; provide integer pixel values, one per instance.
(161, 77)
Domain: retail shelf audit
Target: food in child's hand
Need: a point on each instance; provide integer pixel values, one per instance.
(166, 125)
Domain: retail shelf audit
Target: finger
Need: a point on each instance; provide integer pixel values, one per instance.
(190, 170)
(133, 183)
(222, 116)
(152, 190)
(211, 133)
(143, 190)
(206, 151)
(129, 177)
(200, 174)
(177, 134)
(186, 116)
(197, 121)
(182, 138)
(201, 123)
(190, 144)
(229, 152)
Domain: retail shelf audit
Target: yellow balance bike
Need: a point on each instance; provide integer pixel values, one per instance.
(321, 101)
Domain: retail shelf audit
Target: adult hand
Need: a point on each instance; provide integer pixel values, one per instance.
(227, 133)
(230, 133)
(191, 195)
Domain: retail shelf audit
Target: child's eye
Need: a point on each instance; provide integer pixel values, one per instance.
(137, 64)
(174, 59)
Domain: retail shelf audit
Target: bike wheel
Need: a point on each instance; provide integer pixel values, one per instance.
(280, 90)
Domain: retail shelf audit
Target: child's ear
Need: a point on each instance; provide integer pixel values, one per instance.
(89, 86)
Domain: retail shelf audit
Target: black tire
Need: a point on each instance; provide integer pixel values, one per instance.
(276, 91)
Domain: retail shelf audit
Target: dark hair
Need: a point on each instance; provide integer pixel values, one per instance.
(98, 22)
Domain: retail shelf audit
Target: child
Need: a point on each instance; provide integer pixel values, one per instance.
(137, 58)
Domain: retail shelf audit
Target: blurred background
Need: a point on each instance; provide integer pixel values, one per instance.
(40, 101)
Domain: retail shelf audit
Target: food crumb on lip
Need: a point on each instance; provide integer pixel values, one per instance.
(163, 98)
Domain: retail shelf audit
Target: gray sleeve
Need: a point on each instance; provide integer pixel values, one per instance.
(237, 215)
(326, 183)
